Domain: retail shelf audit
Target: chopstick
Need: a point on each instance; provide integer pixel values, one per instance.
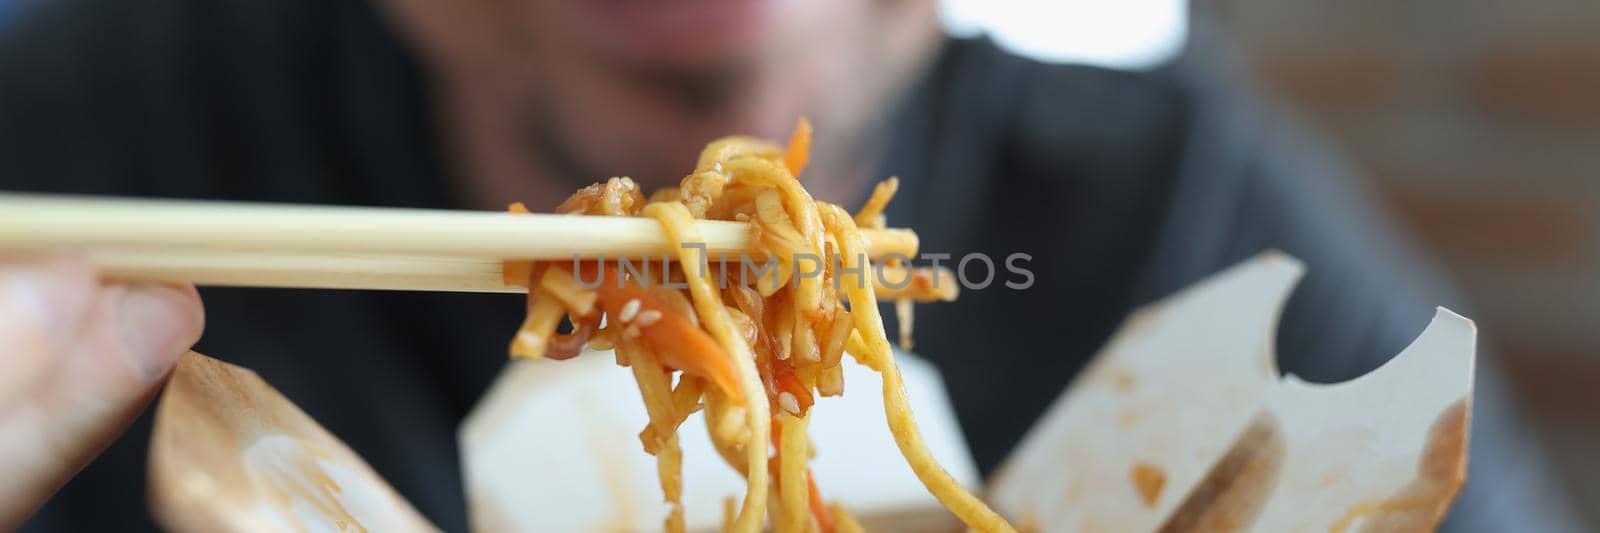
(78, 223)
(299, 246)
(309, 271)
(364, 272)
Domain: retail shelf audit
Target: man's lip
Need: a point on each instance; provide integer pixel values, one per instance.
(679, 29)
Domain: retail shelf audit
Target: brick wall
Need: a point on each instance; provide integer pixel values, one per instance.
(1480, 124)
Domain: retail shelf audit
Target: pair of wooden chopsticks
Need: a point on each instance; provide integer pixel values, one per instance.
(282, 245)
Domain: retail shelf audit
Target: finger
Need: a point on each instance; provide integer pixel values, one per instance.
(42, 302)
(134, 335)
(115, 358)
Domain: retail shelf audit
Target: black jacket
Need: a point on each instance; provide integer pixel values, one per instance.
(1123, 186)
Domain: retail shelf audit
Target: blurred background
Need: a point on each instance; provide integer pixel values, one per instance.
(1477, 122)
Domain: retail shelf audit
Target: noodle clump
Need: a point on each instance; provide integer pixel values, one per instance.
(752, 352)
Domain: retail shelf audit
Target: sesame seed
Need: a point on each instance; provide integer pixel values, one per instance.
(629, 309)
(632, 332)
(647, 317)
(789, 403)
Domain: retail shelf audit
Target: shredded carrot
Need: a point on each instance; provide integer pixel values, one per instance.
(798, 152)
(819, 510)
(674, 338)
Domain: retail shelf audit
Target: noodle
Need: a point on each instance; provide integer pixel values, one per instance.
(660, 437)
(679, 227)
(897, 408)
(871, 214)
(752, 352)
(792, 473)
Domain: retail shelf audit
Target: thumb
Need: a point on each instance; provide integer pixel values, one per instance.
(91, 383)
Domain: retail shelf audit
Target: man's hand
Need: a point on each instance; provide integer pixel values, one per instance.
(79, 359)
